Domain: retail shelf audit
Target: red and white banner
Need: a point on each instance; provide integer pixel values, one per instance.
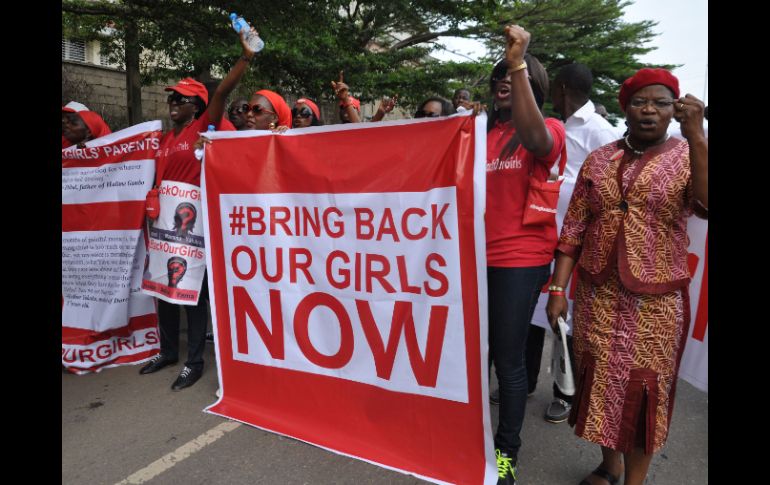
(176, 246)
(106, 321)
(694, 367)
(348, 287)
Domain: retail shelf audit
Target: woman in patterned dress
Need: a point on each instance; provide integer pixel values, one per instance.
(626, 229)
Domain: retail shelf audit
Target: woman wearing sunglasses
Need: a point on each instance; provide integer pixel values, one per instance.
(520, 144)
(191, 112)
(237, 113)
(434, 107)
(268, 110)
(305, 113)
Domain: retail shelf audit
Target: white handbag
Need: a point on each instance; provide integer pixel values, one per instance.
(560, 366)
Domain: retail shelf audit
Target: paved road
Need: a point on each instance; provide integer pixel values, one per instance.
(118, 425)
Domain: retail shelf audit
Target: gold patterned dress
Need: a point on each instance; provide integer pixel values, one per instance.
(627, 228)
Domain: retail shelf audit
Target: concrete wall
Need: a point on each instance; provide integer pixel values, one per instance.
(103, 89)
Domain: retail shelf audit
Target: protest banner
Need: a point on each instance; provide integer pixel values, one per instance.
(348, 283)
(106, 321)
(176, 247)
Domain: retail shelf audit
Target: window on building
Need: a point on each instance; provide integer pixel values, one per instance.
(73, 49)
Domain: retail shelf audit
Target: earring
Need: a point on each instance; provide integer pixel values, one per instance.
(272, 125)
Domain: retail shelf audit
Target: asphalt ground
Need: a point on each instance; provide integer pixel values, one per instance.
(119, 427)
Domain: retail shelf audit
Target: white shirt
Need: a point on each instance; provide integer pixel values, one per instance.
(586, 131)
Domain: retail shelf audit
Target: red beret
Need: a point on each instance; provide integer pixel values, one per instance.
(647, 77)
(190, 87)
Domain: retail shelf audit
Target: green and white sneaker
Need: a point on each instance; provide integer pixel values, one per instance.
(506, 470)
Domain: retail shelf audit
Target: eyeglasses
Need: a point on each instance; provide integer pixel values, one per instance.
(244, 108)
(639, 103)
(426, 114)
(304, 112)
(177, 98)
(257, 109)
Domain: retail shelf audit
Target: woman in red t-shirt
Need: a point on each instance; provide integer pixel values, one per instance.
(520, 143)
(191, 112)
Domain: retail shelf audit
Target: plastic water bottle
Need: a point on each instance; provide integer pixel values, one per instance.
(199, 151)
(255, 43)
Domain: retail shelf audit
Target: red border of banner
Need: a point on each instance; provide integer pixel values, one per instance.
(428, 436)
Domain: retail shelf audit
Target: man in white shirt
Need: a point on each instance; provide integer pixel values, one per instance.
(586, 131)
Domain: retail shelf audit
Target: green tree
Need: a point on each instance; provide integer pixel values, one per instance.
(383, 47)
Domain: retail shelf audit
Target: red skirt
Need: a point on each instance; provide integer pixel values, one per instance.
(628, 347)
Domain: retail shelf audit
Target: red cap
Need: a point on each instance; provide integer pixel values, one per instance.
(647, 77)
(352, 101)
(74, 107)
(190, 87)
(279, 106)
(311, 105)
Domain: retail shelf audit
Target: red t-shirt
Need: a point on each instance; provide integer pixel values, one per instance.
(509, 244)
(176, 157)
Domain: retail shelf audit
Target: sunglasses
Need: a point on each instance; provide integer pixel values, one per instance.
(244, 108)
(179, 99)
(426, 114)
(304, 112)
(257, 109)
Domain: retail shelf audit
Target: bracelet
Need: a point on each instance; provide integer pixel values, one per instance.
(521, 66)
(555, 288)
(247, 59)
(556, 293)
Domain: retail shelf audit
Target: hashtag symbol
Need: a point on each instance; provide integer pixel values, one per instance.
(236, 218)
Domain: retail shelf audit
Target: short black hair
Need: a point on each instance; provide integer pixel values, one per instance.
(447, 108)
(577, 77)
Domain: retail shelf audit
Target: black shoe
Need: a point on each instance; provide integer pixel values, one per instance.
(506, 469)
(186, 378)
(209, 336)
(558, 411)
(157, 363)
(494, 397)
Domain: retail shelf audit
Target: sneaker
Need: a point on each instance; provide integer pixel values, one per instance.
(557, 411)
(209, 336)
(494, 397)
(186, 378)
(506, 470)
(157, 363)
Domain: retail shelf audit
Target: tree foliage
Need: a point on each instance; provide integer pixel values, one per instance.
(383, 47)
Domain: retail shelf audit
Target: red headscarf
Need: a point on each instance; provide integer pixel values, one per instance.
(352, 101)
(647, 77)
(95, 123)
(279, 106)
(311, 105)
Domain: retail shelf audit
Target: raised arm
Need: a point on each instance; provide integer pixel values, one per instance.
(688, 111)
(525, 114)
(217, 104)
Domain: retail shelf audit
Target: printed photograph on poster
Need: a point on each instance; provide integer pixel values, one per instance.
(176, 258)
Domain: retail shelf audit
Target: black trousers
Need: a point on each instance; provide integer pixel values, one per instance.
(513, 296)
(197, 320)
